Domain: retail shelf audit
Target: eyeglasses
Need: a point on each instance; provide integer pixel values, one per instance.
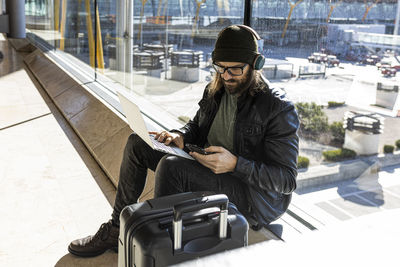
(234, 71)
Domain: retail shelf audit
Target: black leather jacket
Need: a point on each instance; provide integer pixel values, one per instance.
(265, 142)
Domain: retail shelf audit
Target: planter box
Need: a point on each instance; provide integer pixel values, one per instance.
(362, 143)
(185, 74)
(386, 95)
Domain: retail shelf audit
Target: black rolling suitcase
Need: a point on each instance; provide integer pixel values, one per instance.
(176, 228)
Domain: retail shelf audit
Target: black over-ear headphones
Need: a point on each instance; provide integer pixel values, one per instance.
(260, 59)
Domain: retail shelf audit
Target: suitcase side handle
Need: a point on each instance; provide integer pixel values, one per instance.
(220, 201)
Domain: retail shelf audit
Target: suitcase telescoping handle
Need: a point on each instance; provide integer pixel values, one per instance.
(220, 201)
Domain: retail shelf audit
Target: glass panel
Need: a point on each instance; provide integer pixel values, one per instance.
(162, 53)
(67, 25)
(331, 57)
(40, 19)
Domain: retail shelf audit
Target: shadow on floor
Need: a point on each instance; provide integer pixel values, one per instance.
(11, 61)
(108, 259)
(370, 191)
(364, 190)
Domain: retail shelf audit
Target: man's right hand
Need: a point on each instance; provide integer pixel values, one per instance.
(168, 138)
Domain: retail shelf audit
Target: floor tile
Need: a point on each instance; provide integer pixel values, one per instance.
(333, 211)
(382, 199)
(355, 205)
(395, 189)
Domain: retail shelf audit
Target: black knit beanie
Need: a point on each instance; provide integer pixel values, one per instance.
(235, 44)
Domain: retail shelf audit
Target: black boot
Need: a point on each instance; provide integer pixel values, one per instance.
(105, 238)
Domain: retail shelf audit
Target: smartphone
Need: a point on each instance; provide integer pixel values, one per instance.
(194, 148)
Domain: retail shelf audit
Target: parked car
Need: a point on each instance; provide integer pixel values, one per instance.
(388, 71)
(332, 60)
(371, 60)
(314, 57)
(317, 58)
(389, 62)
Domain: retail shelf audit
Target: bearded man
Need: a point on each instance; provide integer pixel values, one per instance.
(249, 130)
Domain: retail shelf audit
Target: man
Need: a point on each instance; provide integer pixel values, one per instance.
(250, 130)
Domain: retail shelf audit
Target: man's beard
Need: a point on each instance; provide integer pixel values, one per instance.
(238, 87)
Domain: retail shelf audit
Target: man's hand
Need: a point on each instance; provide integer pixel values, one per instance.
(221, 161)
(168, 138)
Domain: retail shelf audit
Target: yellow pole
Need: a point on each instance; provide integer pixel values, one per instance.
(219, 6)
(165, 12)
(332, 7)
(90, 32)
(368, 8)
(63, 20)
(197, 15)
(292, 6)
(158, 11)
(100, 57)
(56, 15)
(141, 16)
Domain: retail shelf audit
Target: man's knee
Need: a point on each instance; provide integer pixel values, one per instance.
(168, 178)
(135, 144)
(134, 140)
(167, 166)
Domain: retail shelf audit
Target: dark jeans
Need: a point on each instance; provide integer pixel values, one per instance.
(172, 175)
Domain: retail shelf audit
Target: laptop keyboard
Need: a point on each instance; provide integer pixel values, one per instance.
(168, 149)
(163, 147)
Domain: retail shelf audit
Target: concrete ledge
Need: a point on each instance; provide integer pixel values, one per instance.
(344, 170)
(21, 45)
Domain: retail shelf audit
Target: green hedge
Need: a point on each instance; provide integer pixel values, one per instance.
(339, 154)
(398, 144)
(302, 162)
(332, 104)
(388, 149)
(337, 131)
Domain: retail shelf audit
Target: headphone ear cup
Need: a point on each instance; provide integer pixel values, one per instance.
(259, 62)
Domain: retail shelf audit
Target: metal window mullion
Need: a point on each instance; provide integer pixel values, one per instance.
(95, 39)
(124, 36)
(247, 13)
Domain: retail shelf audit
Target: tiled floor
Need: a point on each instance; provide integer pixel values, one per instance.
(51, 189)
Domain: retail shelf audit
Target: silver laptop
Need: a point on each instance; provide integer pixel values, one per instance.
(137, 124)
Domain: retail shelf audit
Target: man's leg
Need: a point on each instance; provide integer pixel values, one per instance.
(138, 156)
(176, 175)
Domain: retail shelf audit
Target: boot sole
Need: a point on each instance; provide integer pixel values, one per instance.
(90, 254)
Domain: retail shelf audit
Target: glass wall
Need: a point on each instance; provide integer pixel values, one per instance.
(343, 57)
(159, 50)
(322, 53)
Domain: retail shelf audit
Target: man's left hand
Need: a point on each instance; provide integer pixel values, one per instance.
(221, 161)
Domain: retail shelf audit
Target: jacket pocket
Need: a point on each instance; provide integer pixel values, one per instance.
(251, 130)
(251, 138)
